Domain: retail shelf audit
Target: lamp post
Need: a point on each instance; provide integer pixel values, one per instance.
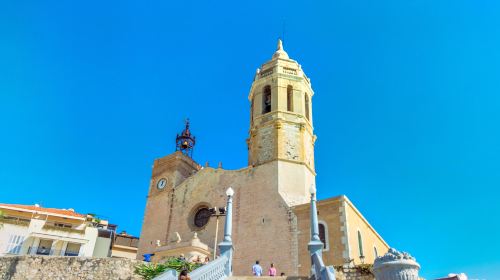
(315, 245)
(228, 228)
(226, 246)
(220, 212)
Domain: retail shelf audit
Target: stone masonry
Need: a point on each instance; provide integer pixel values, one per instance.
(352, 274)
(66, 268)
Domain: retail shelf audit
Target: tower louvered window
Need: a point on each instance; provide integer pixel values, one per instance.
(289, 98)
(306, 102)
(266, 100)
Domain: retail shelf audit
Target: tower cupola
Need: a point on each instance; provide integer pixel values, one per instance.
(185, 141)
(280, 116)
(281, 124)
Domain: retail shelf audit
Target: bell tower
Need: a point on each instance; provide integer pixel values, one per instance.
(185, 141)
(281, 130)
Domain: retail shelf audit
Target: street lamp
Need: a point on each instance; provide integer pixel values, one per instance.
(312, 190)
(314, 215)
(221, 212)
(230, 192)
(214, 213)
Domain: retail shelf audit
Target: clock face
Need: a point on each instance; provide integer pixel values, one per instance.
(162, 183)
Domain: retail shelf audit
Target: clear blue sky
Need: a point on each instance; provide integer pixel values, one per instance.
(406, 107)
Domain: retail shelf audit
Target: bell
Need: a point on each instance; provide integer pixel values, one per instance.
(185, 144)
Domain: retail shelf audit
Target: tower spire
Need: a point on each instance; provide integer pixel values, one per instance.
(280, 45)
(280, 52)
(185, 141)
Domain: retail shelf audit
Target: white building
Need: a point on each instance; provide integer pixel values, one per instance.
(34, 230)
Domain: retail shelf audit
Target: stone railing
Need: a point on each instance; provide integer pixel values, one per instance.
(395, 265)
(167, 275)
(289, 71)
(214, 270)
(319, 270)
(266, 73)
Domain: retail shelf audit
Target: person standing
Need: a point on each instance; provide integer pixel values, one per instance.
(184, 275)
(272, 270)
(257, 269)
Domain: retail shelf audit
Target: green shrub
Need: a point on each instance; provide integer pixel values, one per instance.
(150, 270)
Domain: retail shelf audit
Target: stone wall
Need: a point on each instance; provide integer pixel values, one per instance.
(67, 268)
(264, 227)
(352, 274)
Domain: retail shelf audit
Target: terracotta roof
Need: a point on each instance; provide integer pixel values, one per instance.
(43, 209)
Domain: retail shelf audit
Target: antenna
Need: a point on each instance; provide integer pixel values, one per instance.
(283, 31)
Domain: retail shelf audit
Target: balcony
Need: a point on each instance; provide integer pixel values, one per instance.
(128, 241)
(43, 251)
(65, 229)
(15, 221)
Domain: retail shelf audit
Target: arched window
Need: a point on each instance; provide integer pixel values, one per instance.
(266, 100)
(306, 102)
(289, 98)
(360, 244)
(323, 234)
(375, 251)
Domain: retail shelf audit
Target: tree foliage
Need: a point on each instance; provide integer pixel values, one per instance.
(150, 270)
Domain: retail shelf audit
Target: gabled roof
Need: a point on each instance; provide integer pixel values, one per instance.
(42, 210)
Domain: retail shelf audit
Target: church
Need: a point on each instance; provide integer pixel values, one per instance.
(271, 194)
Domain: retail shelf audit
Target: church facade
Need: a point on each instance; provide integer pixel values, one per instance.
(271, 201)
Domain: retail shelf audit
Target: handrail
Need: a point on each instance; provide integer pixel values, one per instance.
(214, 270)
(320, 271)
(167, 275)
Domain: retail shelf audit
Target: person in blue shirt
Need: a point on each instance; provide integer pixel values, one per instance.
(147, 257)
(257, 269)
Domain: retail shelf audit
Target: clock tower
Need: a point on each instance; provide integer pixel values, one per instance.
(281, 125)
(168, 173)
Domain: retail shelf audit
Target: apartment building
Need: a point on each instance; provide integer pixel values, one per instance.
(36, 230)
(124, 246)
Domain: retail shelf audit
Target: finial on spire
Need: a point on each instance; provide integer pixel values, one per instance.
(280, 52)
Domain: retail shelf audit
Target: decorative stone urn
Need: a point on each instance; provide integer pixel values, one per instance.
(396, 265)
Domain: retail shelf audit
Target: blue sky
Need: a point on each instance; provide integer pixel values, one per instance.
(405, 107)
